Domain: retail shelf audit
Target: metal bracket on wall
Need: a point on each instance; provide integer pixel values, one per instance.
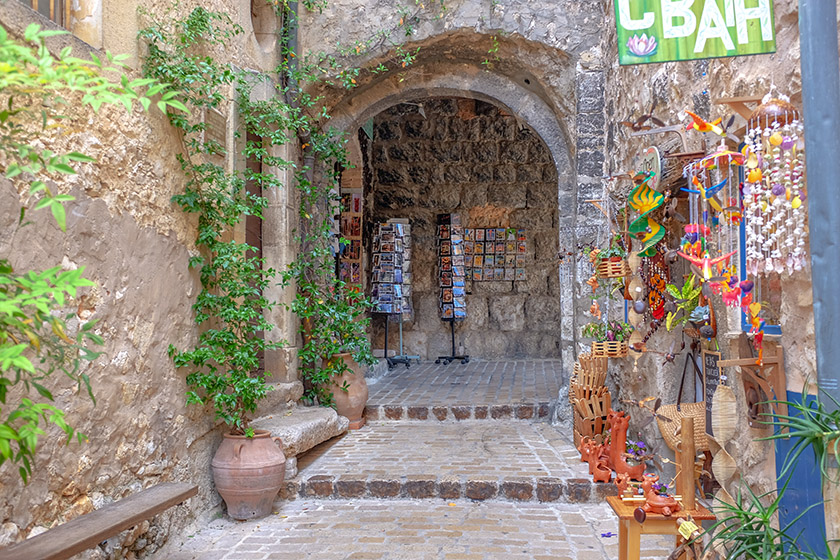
(677, 129)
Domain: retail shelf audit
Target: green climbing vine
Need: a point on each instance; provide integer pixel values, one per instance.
(230, 307)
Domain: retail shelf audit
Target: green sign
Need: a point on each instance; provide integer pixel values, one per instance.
(665, 30)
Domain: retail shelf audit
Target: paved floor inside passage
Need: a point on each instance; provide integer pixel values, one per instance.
(457, 462)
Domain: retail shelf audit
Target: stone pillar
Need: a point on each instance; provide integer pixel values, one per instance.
(591, 226)
(280, 248)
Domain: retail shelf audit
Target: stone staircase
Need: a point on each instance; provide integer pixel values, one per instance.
(458, 445)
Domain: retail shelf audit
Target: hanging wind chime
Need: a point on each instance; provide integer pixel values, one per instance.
(774, 191)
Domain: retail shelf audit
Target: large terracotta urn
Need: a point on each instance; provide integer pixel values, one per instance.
(249, 472)
(350, 403)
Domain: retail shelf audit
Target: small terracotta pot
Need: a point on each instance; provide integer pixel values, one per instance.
(248, 473)
(350, 403)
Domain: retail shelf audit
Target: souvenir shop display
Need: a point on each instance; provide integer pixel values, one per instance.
(391, 282)
(493, 254)
(452, 277)
(350, 256)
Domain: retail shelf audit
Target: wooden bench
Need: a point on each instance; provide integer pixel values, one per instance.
(89, 530)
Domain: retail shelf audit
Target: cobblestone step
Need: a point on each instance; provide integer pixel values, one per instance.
(516, 489)
(467, 460)
(539, 412)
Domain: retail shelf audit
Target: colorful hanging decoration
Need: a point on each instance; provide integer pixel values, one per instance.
(645, 200)
(775, 189)
(709, 241)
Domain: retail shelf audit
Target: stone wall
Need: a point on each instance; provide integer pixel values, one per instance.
(467, 156)
(135, 246)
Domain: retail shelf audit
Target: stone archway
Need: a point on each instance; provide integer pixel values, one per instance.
(518, 98)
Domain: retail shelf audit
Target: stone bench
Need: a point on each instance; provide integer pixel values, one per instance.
(87, 531)
(301, 428)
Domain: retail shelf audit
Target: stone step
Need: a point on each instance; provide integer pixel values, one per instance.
(534, 412)
(466, 460)
(301, 428)
(515, 489)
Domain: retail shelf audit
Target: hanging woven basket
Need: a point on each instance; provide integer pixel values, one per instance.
(609, 268)
(609, 349)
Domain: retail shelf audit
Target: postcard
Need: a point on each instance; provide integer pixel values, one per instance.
(521, 248)
(510, 261)
(520, 235)
(458, 260)
(468, 247)
(479, 235)
(511, 235)
(499, 273)
(445, 248)
(457, 270)
(520, 274)
(459, 292)
(458, 282)
(446, 295)
(455, 219)
(446, 281)
(489, 273)
(447, 311)
(458, 249)
(500, 247)
(386, 258)
(479, 248)
(510, 274)
(385, 227)
(398, 245)
(468, 234)
(510, 247)
(459, 303)
(460, 314)
(443, 232)
(478, 261)
(387, 247)
(490, 234)
(477, 275)
(398, 276)
(489, 260)
(520, 261)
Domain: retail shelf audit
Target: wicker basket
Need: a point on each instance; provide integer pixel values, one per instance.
(609, 349)
(607, 268)
(590, 364)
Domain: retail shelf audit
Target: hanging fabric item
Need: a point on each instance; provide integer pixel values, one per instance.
(655, 275)
(775, 190)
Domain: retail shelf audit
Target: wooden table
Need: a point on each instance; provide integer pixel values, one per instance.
(630, 531)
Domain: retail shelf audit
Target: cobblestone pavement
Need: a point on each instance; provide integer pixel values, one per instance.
(476, 448)
(475, 383)
(415, 530)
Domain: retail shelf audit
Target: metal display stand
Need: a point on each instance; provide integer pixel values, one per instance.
(452, 357)
(401, 358)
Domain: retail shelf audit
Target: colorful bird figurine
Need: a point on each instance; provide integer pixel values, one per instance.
(705, 264)
(701, 125)
(595, 309)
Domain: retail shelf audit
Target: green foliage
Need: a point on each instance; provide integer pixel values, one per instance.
(746, 528)
(686, 300)
(38, 88)
(222, 366)
(610, 330)
(332, 324)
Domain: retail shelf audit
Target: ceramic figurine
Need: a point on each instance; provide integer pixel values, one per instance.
(619, 423)
(656, 502)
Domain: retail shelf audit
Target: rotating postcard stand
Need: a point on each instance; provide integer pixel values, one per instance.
(451, 278)
(391, 280)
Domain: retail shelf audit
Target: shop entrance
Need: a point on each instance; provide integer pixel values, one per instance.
(454, 155)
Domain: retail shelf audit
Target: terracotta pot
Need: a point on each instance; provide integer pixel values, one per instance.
(350, 403)
(248, 473)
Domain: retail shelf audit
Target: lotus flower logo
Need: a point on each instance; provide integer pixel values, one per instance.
(642, 46)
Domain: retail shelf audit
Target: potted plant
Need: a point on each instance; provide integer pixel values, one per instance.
(611, 338)
(336, 347)
(611, 262)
